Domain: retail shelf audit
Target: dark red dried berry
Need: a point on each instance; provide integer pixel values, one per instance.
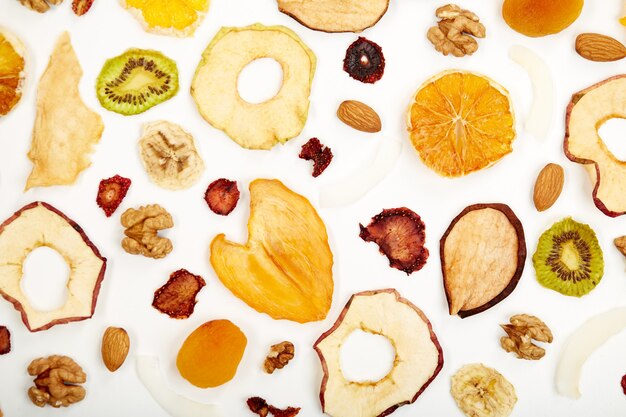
(364, 61)
(5, 340)
(287, 412)
(400, 235)
(177, 298)
(624, 384)
(259, 406)
(321, 155)
(111, 192)
(222, 196)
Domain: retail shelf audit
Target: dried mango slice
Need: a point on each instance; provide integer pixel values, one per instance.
(285, 268)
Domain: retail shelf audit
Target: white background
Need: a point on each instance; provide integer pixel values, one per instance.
(108, 30)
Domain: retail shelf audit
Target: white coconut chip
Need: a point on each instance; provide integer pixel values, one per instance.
(541, 111)
(359, 183)
(175, 404)
(581, 344)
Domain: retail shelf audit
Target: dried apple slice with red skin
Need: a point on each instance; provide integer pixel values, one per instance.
(472, 282)
(586, 112)
(400, 235)
(62, 234)
(386, 313)
(177, 298)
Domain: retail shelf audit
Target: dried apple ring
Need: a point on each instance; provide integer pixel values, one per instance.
(214, 87)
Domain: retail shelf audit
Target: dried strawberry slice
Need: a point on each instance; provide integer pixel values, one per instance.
(364, 61)
(111, 192)
(5, 340)
(400, 235)
(624, 384)
(222, 196)
(287, 412)
(80, 7)
(321, 155)
(177, 298)
(259, 406)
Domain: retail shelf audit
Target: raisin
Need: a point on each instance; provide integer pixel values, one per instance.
(111, 192)
(321, 155)
(177, 298)
(364, 61)
(400, 235)
(222, 196)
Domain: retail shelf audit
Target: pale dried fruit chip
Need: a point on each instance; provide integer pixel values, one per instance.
(285, 268)
(480, 391)
(482, 258)
(177, 298)
(66, 130)
(169, 156)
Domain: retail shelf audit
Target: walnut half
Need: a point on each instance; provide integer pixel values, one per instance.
(56, 382)
(455, 32)
(142, 228)
(520, 335)
(279, 356)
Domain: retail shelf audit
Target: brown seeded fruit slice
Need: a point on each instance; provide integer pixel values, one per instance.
(177, 298)
(111, 192)
(364, 61)
(482, 258)
(321, 155)
(5, 340)
(400, 235)
(222, 196)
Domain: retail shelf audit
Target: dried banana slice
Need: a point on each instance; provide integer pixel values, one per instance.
(480, 391)
(169, 156)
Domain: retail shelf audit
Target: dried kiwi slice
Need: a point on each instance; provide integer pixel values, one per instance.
(569, 258)
(136, 81)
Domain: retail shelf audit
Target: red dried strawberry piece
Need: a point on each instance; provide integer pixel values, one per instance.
(400, 235)
(80, 7)
(259, 406)
(624, 384)
(364, 61)
(321, 155)
(111, 192)
(177, 298)
(5, 340)
(287, 412)
(222, 196)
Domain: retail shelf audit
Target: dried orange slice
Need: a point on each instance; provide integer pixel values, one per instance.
(11, 71)
(169, 17)
(461, 122)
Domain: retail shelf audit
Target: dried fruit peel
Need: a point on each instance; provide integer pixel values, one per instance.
(482, 258)
(12, 71)
(210, 355)
(569, 259)
(587, 111)
(537, 18)
(285, 268)
(480, 391)
(168, 17)
(66, 130)
(177, 298)
(461, 122)
(214, 86)
(400, 235)
(583, 343)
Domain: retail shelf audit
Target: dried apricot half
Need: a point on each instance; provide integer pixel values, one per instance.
(210, 355)
(537, 18)
(461, 122)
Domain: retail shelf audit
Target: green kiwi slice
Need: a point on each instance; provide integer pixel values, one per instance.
(569, 258)
(136, 81)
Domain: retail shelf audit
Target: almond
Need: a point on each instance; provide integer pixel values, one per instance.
(599, 48)
(359, 116)
(115, 347)
(548, 186)
(620, 244)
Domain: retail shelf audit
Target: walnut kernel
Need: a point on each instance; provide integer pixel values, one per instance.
(453, 34)
(142, 228)
(56, 381)
(279, 356)
(521, 333)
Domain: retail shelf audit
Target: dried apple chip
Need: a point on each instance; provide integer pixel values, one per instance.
(482, 258)
(285, 268)
(177, 298)
(400, 235)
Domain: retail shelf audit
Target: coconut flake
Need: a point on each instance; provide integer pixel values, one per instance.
(539, 118)
(175, 404)
(355, 186)
(581, 344)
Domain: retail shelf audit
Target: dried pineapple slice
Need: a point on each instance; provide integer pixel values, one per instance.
(285, 268)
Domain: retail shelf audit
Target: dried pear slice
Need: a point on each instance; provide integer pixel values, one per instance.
(482, 258)
(587, 111)
(285, 268)
(66, 130)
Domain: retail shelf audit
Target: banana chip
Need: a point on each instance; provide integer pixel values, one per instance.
(480, 391)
